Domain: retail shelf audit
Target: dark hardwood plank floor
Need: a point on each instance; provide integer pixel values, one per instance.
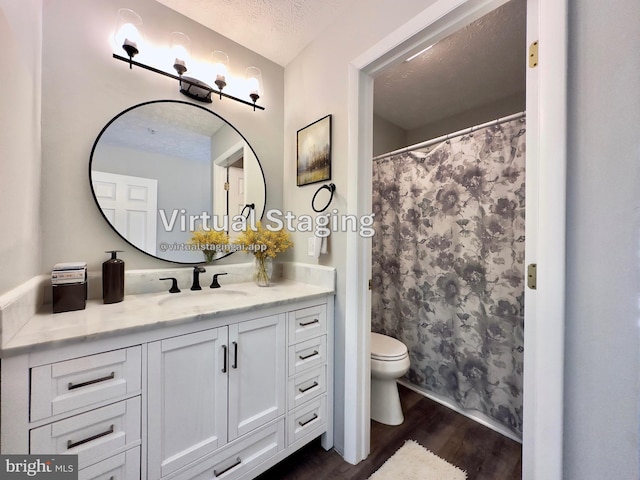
(481, 452)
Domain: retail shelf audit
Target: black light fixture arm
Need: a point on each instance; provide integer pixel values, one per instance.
(131, 62)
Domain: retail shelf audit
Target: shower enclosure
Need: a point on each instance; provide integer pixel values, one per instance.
(448, 265)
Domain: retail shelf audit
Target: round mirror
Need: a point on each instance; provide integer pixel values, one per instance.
(164, 169)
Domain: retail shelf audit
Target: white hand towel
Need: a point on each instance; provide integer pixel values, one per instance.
(320, 246)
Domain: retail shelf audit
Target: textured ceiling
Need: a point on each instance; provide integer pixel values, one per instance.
(478, 65)
(172, 129)
(276, 29)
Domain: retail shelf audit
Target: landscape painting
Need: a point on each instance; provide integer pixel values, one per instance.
(314, 152)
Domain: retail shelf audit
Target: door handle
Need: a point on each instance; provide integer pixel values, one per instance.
(224, 359)
(306, 324)
(302, 424)
(72, 386)
(304, 357)
(71, 444)
(235, 355)
(302, 390)
(236, 463)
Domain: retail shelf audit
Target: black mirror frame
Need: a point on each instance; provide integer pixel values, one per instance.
(95, 144)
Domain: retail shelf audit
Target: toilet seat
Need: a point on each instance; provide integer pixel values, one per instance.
(387, 349)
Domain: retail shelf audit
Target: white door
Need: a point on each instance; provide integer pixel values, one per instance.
(187, 399)
(130, 204)
(257, 375)
(236, 190)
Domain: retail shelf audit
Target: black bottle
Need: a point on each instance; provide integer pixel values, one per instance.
(113, 279)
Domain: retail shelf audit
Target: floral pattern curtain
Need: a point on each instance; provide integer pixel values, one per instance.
(448, 266)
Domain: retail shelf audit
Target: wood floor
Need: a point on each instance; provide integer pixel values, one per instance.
(481, 452)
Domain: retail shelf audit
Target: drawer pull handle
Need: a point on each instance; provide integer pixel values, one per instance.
(302, 390)
(111, 376)
(238, 462)
(235, 355)
(306, 324)
(302, 424)
(304, 357)
(224, 359)
(71, 444)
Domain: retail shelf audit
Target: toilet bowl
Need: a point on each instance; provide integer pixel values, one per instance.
(389, 361)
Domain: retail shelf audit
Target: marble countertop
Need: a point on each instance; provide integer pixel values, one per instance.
(153, 310)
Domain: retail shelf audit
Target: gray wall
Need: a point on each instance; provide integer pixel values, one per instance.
(602, 369)
(387, 136)
(83, 87)
(20, 165)
(470, 118)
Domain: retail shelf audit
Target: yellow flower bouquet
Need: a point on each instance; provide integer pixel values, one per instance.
(209, 242)
(265, 243)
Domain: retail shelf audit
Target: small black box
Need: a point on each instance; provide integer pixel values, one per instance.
(67, 298)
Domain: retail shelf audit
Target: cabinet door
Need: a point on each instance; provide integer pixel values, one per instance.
(257, 352)
(187, 399)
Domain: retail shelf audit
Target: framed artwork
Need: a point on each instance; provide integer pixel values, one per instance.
(314, 152)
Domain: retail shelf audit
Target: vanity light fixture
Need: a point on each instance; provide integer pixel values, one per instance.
(128, 38)
(180, 56)
(220, 62)
(254, 84)
(127, 34)
(180, 51)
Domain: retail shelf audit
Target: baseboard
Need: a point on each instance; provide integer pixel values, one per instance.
(473, 415)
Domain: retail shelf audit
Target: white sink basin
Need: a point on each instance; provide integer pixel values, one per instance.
(206, 297)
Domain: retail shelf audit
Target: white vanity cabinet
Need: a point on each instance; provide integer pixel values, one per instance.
(186, 398)
(91, 407)
(209, 388)
(224, 396)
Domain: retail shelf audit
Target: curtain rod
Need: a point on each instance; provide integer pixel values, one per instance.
(449, 136)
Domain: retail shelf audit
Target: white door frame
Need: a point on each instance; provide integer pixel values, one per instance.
(546, 152)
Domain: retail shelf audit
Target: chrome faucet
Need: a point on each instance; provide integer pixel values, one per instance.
(196, 277)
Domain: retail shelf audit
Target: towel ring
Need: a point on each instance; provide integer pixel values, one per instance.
(332, 188)
(250, 206)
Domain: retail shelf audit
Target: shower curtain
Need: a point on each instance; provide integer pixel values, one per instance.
(448, 266)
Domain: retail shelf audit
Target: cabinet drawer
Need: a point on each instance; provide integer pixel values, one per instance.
(306, 385)
(124, 466)
(66, 386)
(306, 419)
(93, 436)
(307, 323)
(306, 355)
(241, 456)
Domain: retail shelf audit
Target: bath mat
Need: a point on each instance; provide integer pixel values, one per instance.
(414, 462)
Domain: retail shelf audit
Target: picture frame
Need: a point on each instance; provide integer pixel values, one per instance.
(313, 152)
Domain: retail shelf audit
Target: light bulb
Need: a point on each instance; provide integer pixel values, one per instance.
(127, 35)
(220, 65)
(180, 51)
(254, 83)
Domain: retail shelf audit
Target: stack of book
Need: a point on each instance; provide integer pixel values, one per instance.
(69, 284)
(71, 272)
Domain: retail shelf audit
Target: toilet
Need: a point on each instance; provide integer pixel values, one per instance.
(389, 361)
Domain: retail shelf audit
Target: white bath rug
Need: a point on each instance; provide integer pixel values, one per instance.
(414, 462)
